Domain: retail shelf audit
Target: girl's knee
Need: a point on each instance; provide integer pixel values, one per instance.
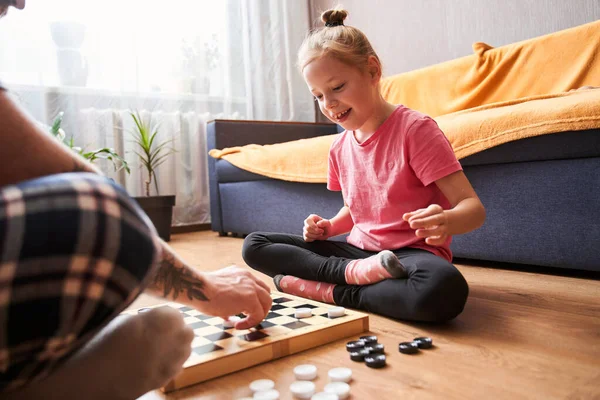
(252, 243)
(444, 296)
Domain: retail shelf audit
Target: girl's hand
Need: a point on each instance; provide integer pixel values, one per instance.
(316, 228)
(430, 223)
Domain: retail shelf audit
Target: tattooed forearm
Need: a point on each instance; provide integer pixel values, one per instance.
(172, 278)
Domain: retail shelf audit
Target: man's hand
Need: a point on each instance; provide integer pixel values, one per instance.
(316, 228)
(430, 223)
(233, 290)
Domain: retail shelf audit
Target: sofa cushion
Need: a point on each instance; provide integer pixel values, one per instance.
(557, 146)
(470, 132)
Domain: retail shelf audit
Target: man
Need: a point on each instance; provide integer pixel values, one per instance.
(75, 251)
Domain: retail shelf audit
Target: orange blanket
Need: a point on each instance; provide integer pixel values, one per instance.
(554, 63)
(469, 132)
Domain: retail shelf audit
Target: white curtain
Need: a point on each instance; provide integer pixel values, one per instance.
(181, 63)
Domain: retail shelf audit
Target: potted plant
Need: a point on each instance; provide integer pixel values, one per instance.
(105, 153)
(152, 154)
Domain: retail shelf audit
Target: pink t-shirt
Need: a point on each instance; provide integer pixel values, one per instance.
(391, 173)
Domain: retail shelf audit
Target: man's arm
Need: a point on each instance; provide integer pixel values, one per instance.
(175, 281)
(27, 152)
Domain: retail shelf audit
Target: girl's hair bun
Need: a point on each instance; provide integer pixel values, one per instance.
(334, 17)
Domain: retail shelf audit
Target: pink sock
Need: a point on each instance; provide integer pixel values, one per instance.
(313, 290)
(383, 265)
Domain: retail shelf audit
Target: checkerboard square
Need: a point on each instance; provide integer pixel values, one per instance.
(214, 321)
(209, 330)
(282, 320)
(281, 300)
(199, 341)
(286, 311)
(199, 324)
(206, 349)
(305, 306)
(218, 336)
(296, 325)
(272, 315)
(316, 320)
(265, 324)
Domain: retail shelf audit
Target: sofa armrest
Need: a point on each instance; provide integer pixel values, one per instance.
(230, 133)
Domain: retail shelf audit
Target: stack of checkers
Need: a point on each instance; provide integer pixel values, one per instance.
(368, 350)
(414, 346)
(372, 353)
(303, 388)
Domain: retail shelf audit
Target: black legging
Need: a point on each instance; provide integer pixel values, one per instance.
(435, 291)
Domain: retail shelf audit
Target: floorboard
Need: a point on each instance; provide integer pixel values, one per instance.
(522, 335)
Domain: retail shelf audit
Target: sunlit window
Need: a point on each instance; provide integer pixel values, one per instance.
(125, 45)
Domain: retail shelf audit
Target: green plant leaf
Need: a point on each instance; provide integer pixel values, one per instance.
(57, 122)
(110, 154)
(151, 154)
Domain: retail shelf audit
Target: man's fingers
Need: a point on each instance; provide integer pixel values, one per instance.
(264, 297)
(254, 314)
(263, 285)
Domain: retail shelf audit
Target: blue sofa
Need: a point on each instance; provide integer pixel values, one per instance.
(542, 195)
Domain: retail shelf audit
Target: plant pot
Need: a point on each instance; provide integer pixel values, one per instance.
(160, 211)
(72, 67)
(67, 34)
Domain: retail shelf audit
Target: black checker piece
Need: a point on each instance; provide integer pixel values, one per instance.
(254, 335)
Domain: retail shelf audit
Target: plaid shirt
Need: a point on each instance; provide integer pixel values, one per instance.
(74, 252)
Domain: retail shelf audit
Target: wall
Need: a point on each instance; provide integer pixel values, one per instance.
(410, 34)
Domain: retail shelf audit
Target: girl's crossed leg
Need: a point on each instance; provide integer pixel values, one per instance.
(429, 289)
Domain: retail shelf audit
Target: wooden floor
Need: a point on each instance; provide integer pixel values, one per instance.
(522, 335)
